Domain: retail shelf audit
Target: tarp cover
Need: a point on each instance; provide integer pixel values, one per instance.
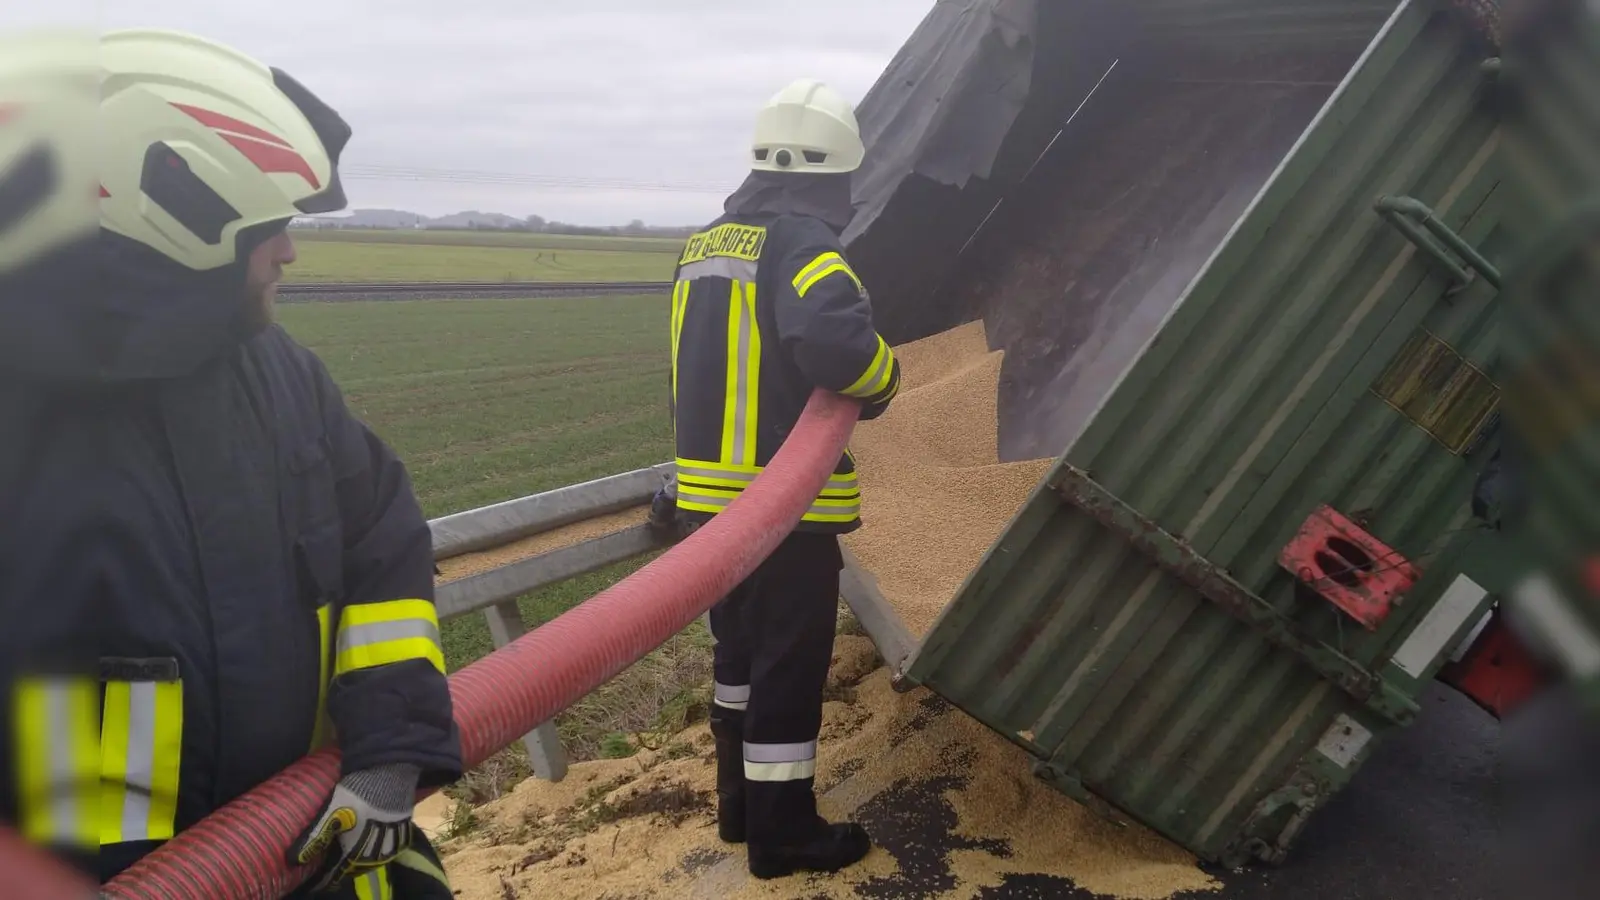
(1063, 170)
(947, 100)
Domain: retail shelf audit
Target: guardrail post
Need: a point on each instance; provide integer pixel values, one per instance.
(548, 757)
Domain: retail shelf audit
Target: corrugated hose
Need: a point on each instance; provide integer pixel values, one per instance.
(238, 852)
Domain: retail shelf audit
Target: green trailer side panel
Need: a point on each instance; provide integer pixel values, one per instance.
(1253, 405)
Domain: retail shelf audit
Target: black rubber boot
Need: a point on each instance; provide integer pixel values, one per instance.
(828, 849)
(728, 729)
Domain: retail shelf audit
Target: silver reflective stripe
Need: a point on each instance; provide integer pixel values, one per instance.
(741, 399)
(770, 753)
(140, 778)
(719, 267)
(66, 806)
(780, 762)
(843, 508)
(699, 472)
(688, 493)
(732, 696)
(382, 632)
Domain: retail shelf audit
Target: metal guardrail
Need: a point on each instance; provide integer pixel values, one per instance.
(494, 593)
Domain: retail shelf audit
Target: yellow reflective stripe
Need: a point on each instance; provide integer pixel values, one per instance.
(141, 748)
(752, 383)
(730, 387)
(816, 265)
(168, 755)
(715, 500)
(690, 489)
(743, 370)
(708, 465)
(377, 634)
(680, 300)
(734, 483)
(114, 728)
(836, 267)
(824, 265)
(416, 862)
(373, 884)
(319, 730)
(876, 377)
(57, 751)
(694, 473)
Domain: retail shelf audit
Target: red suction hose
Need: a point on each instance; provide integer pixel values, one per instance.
(238, 851)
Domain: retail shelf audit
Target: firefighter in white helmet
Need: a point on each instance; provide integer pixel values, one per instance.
(767, 309)
(261, 573)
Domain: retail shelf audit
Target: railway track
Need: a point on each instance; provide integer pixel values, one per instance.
(400, 290)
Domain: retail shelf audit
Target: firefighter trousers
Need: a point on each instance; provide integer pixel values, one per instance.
(774, 639)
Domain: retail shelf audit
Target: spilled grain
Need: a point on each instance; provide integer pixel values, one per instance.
(935, 495)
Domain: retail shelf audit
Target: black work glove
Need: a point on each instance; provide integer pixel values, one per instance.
(366, 824)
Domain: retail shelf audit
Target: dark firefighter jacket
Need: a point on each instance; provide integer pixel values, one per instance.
(195, 518)
(765, 309)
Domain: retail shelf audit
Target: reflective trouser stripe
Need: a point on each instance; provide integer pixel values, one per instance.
(319, 729)
(377, 634)
(744, 373)
(373, 885)
(57, 744)
(731, 696)
(824, 265)
(780, 762)
(142, 744)
(876, 378)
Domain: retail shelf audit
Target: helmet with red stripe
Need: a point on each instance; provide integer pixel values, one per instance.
(202, 145)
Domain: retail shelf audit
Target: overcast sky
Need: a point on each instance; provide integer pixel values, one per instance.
(660, 92)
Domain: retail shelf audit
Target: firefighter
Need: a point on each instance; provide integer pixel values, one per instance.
(259, 570)
(766, 309)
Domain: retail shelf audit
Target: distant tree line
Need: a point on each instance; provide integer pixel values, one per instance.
(496, 222)
(636, 228)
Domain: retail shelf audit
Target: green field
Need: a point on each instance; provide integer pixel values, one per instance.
(487, 400)
(325, 261)
(492, 399)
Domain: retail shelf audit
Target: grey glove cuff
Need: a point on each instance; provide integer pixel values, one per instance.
(387, 787)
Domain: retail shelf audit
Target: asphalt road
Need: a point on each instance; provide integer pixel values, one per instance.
(1418, 822)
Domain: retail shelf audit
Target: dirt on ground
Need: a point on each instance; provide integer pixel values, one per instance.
(934, 494)
(952, 808)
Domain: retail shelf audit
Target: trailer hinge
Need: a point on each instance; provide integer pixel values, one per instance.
(1423, 228)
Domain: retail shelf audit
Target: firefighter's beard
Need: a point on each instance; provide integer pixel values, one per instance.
(262, 304)
(262, 274)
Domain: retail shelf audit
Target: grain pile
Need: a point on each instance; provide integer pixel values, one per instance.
(934, 493)
(952, 809)
(485, 560)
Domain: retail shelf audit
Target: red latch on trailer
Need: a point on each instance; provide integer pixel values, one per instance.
(1348, 566)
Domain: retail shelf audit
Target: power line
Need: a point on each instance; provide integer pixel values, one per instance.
(365, 172)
